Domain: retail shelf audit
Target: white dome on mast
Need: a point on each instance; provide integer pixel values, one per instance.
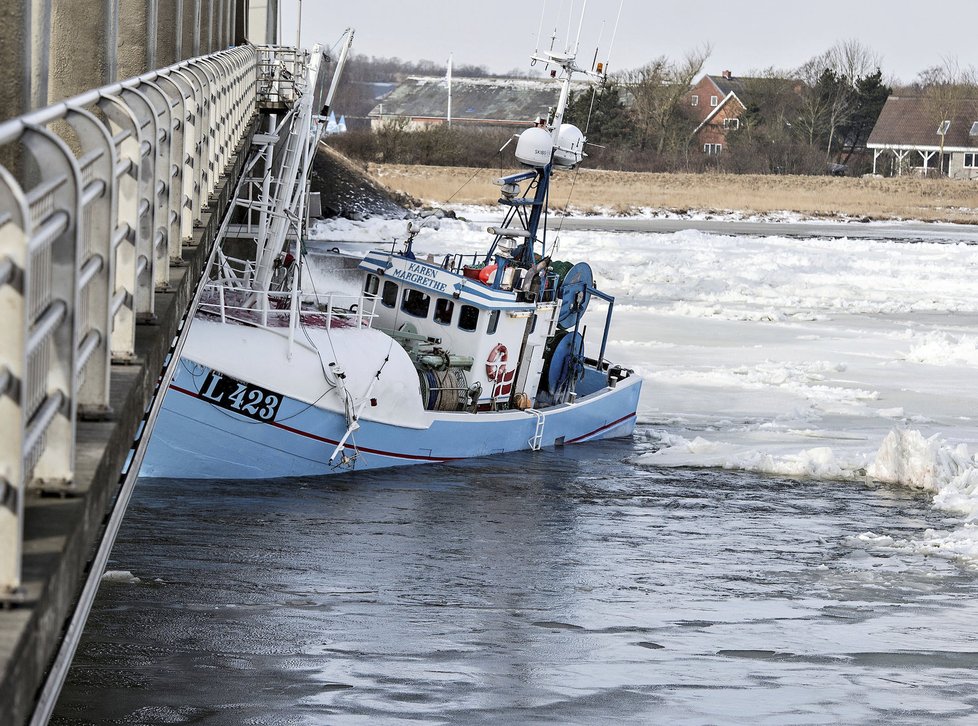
(535, 147)
(570, 146)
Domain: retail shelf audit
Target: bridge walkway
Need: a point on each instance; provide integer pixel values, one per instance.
(110, 203)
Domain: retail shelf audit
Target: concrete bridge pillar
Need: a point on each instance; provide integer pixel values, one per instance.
(167, 33)
(134, 34)
(190, 38)
(51, 50)
(15, 58)
(83, 47)
(239, 22)
(222, 38)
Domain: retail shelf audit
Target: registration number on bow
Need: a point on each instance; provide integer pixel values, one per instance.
(244, 398)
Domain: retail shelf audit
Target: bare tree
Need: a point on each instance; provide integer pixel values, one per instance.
(772, 98)
(831, 97)
(851, 60)
(658, 90)
(945, 86)
(645, 85)
(814, 106)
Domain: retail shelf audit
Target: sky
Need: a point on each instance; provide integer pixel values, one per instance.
(748, 35)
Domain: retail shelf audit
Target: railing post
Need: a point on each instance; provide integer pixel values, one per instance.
(54, 250)
(174, 177)
(124, 128)
(99, 210)
(14, 221)
(144, 302)
(159, 182)
(204, 110)
(106, 187)
(192, 160)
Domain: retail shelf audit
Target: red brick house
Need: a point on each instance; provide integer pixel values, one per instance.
(715, 104)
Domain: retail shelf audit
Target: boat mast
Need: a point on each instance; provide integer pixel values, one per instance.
(567, 63)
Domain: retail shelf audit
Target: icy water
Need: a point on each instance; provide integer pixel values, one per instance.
(550, 587)
(790, 538)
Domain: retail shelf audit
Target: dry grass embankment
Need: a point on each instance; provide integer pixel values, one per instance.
(625, 192)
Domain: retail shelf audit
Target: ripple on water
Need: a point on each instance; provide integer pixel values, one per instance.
(560, 587)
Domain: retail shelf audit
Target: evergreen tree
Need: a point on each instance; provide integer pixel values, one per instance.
(600, 113)
(871, 94)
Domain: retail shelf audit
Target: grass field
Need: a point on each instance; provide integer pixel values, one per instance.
(624, 192)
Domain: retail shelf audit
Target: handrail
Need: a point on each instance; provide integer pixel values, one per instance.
(98, 194)
(280, 310)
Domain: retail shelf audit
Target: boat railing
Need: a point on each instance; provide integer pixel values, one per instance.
(231, 303)
(470, 265)
(232, 271)
(280, 75)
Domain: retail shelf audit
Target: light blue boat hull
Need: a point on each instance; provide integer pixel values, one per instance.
(195, 439)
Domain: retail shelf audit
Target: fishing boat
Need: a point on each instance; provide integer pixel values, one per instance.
(394, 360)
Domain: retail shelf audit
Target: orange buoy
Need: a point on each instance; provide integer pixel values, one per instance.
(486, 273)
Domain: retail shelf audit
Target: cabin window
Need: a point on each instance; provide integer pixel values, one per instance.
(714, 100)
(371, 286)
(468, 318)
(712, 149)
(694, 101)
(971, 161)
(443, 311)
(493, 322)
(390, 294)
(415, 303)
(942, 129)
(731, 123)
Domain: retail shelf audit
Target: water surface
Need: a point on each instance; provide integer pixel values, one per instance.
(565, 586)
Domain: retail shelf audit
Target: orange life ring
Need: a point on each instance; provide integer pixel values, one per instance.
(496, 363)
(486, 272)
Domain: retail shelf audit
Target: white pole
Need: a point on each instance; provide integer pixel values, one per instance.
(580, 26)
(340, 65)
(298, 28)
(449, 113)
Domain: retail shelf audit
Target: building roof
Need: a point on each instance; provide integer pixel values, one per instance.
(482, 99)
(748, 88)
(913, 122)
(738, 86)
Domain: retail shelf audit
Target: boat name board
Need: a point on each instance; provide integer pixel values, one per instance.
(419, 274)
(246, 399)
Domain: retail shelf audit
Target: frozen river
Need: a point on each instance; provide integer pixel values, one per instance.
(788, 538)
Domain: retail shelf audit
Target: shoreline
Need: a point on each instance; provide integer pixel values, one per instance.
(592, 193)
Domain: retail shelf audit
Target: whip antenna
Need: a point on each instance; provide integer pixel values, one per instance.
(594, 61)
(613, 34)
(570, 16)
(543, 12)
(580, 25)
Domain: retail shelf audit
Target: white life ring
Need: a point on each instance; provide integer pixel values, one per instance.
(496, 363)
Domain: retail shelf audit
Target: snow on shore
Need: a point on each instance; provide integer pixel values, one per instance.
(843, 359)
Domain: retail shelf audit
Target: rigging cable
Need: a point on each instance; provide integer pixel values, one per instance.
(464, 184)
(499, 156)
(560, 224)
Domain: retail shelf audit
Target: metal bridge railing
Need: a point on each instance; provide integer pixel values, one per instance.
(97, 196)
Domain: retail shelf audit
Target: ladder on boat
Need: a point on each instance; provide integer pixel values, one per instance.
(536, 440)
